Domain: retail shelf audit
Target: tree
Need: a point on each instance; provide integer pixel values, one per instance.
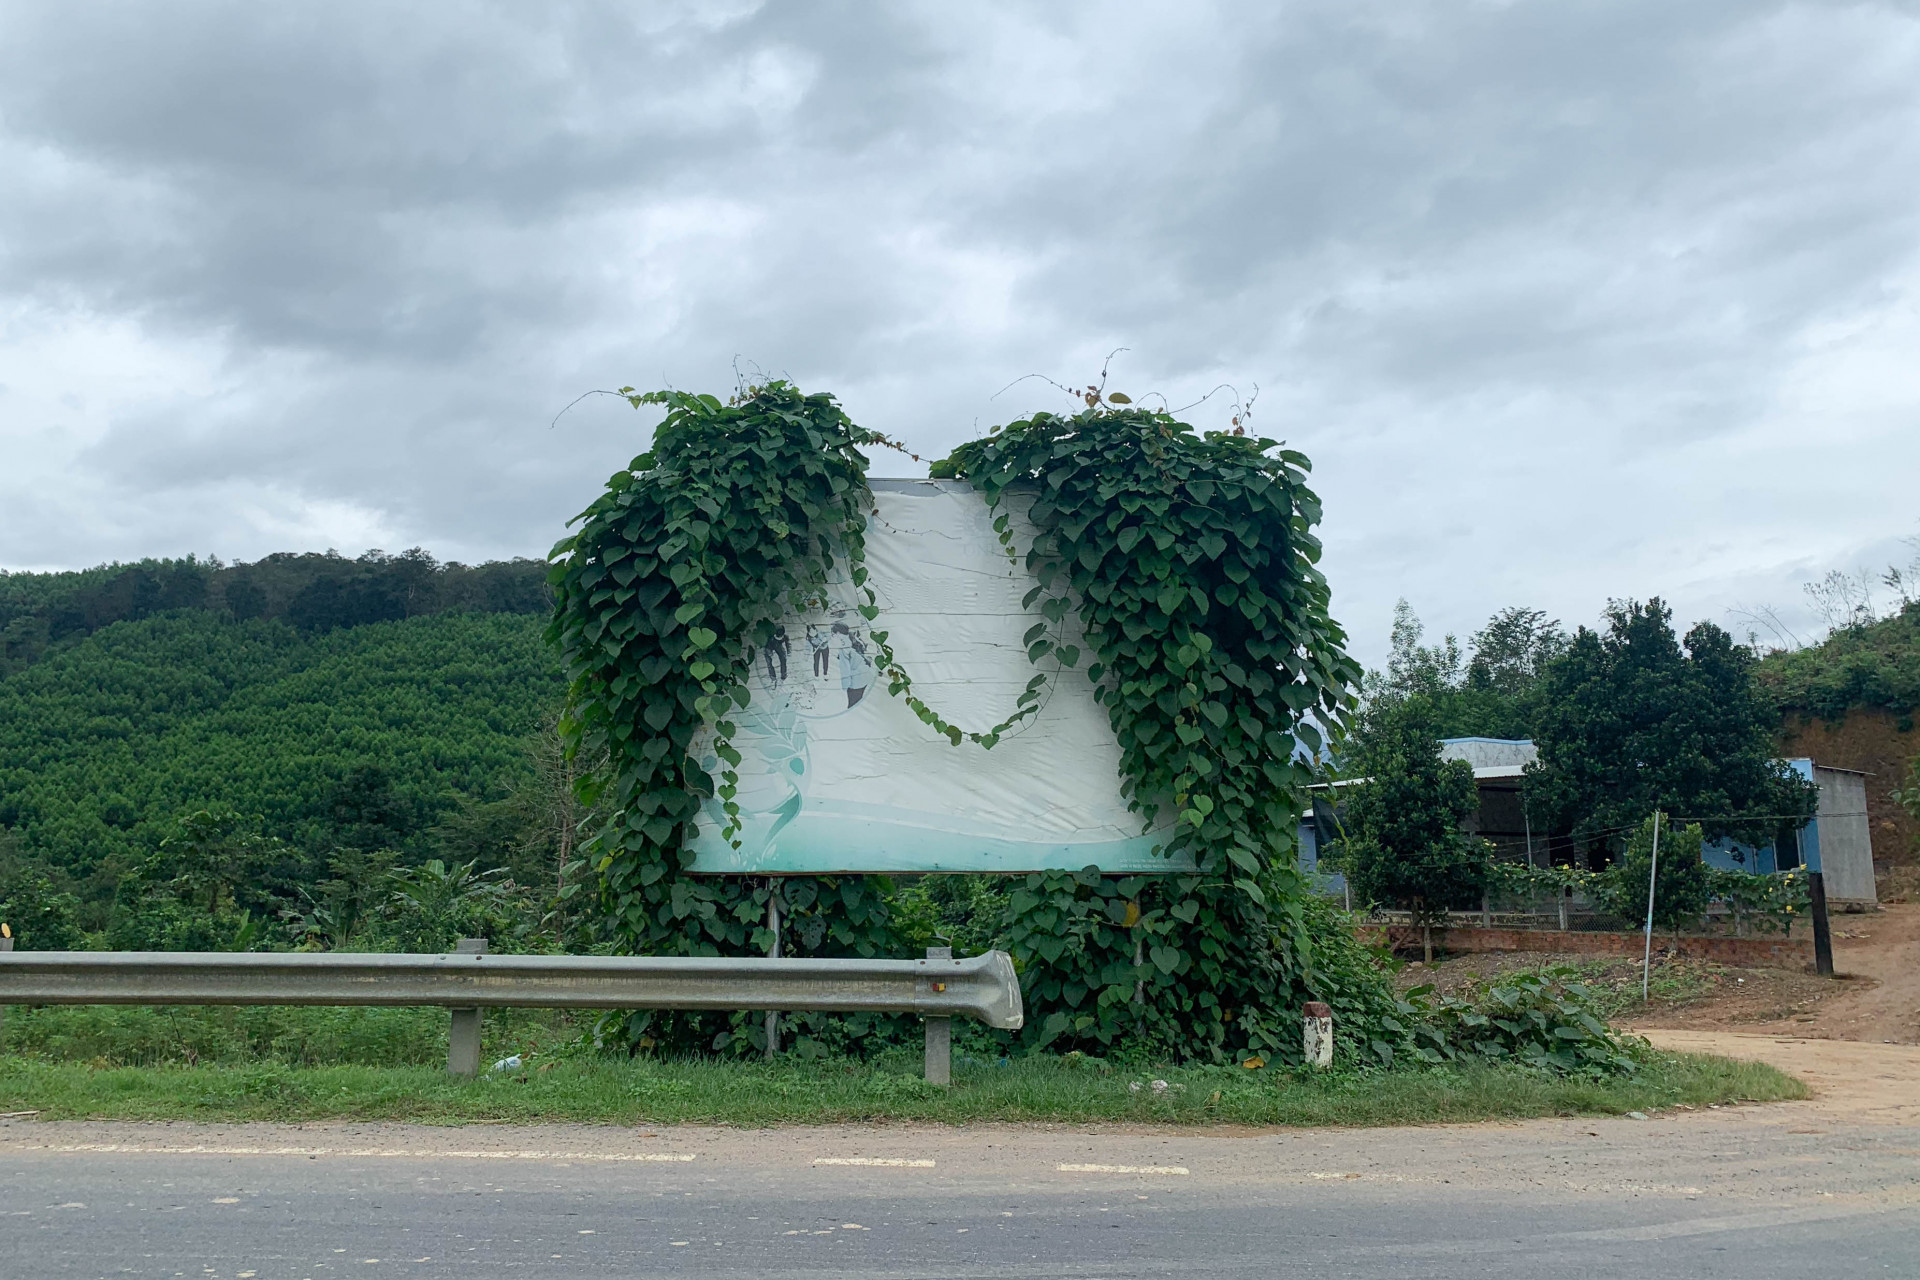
(40, 914)
(1628, 721)
(1414, 669)
(366, 811)
(1511, 651)
(1490, 694)
(218, 859)
(333, 912)
(1681, 886)
(1404, 844)
(433, 904)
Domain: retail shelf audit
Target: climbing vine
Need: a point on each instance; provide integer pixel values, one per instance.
(677, 575)
(1192, 563)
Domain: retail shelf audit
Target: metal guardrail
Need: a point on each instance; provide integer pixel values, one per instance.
(937, 988)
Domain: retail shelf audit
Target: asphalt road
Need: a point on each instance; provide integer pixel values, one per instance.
(1788, 1190)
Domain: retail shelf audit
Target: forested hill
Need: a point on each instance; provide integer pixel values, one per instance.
(337, 729)
(310, 592)
(1874, 664)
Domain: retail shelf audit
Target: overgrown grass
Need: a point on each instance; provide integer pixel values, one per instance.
(295, 1036)
(758, 1094)
(279, 1063)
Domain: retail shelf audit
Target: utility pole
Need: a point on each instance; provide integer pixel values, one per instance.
(1653, 872)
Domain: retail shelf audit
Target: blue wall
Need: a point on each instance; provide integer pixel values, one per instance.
(1765, 860)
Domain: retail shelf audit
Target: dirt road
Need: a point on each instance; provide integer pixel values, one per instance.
(1853, 1082)
(1880, 953)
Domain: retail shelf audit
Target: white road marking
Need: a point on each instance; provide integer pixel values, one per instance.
(136, 1149)
(879, 1162)
(1173, 1170)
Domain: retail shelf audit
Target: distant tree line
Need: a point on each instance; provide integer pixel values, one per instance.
(325, 767)
(1627, 718)
(312, 592)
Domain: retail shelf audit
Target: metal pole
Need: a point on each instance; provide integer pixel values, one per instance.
(773, 953)
(463, 1035)
(1653, 870)
(1527, 821)
(1822, 939)
(939, 1035)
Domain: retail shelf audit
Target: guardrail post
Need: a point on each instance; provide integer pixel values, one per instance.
(939, 1035)
(6, 944)
(463, 1036)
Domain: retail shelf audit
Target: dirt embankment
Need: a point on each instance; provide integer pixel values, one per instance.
(1873, 741)
(1875, 998)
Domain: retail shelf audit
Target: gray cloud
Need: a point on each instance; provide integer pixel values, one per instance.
(1566, 301)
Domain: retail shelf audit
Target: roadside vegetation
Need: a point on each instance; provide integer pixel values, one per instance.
(381, 754)
(1040, 1088)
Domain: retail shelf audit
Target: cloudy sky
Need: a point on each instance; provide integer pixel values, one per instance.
(1565, 300)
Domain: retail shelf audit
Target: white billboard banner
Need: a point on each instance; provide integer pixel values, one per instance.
(839, 776)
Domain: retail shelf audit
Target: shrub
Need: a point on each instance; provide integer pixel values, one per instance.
(1681, 886)
(1543, 1019)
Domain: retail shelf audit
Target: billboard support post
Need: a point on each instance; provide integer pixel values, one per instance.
(773, 953)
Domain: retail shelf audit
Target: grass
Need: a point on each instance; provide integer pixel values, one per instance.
(296, 1036)
(291, 1064)
(752, 1094)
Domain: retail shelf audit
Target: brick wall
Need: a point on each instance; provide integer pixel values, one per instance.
(1749, 953)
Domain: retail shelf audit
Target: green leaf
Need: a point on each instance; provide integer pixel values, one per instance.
(701, 638)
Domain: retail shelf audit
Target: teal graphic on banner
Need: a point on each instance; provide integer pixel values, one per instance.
(838, 775)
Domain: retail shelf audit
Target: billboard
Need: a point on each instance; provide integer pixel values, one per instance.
(837, 775)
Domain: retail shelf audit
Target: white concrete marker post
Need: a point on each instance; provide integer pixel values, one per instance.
(1317, 1028)
(463, 1035)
